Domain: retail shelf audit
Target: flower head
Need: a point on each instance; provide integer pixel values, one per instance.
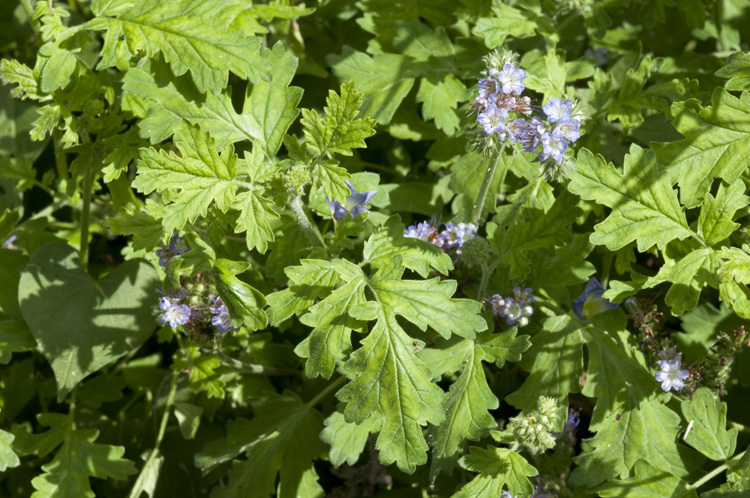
(591, 302)
(353, 205)
(554, 146)
(671, 375)
(175, 247)
(492, 120)
(558, 110)
(511, 78)
(221, 317)
(455, 235)
(422, 231)
(173, 311)
(516, 309)
(8, 244)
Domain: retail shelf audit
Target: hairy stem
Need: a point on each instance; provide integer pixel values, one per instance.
(88, 185)
(476, 214)
(312, 232)
(718, 470)
(325, 392)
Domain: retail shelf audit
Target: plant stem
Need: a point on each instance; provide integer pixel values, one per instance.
(26, 5)
(718, 470)
(138, 486)
(476, 214)
(88, 185)
(312, 232)
(61, 159)
(325, 392)
(253, 368)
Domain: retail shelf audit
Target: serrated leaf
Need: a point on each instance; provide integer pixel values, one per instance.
(440, 96)
(717, 141)
(707, 420)
(8, 458)
(499, 468)
(78, 459)
(147, 231)
(16, 73)
(647, 483)
(186, 34)
(256, 215)
(688, 276)
(644, 205)
(388, 240)
(241, 299)
(715, 222)
(340, 131)
(737, 72)
(384, 80)
(281, 440)
(507, 21)
(311, 280)
(735, 264)
(347, 439)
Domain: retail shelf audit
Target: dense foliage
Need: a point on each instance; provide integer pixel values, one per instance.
(448, 248)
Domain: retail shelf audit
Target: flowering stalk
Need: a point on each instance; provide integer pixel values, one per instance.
(312, 232)
(476, 214)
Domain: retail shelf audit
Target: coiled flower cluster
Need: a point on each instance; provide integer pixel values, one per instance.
(199, 316)
(535, 429)
(506, 115)
(451, 238)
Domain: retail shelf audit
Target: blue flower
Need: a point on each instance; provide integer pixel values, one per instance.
(221, 317)
(554, 146)
(175, 248)
(493, 120)
(511, 78)
(514, 309)
(671, 375)
(489, 87)
(569, 129)
(173, 311)
(422, 231)
(455, 235)
(353, 205)
(558, 110)
(591, 302)
(8, 244)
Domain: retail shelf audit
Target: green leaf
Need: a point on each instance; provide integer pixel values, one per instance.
(715, 222)
(189, 418)
(546, 75)
(707, 420)
(440, 98)
(77, 459)
(340, 131)
(347, 439)
(554, 362)
(384, 80)
(8, 458)
(737, 72)
(82, 324)
(147, 230)
(688, 276)
(631, 424)
(200, 177)
(282, 440)
(56, 67)
(15, 336)
(189, 36)
(644, 205)
(735, 264)
(311, 280)
(15, 73)
(470, 398)
(717, 139)
(507, 21)
(647, 483)
(499, 468)
(241, 299)
(388, 241)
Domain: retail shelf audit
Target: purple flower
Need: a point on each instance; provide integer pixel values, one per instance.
(422, 231)
(671, 375)
(173, 311)
(554, 146)
(511, 78)
(493, 120)
(569, 129)
(489, 87)
(8, 244)
(558, 110)
(514, 309)
(221, 317)
(455, 235)
(353, 205)
(175, 248)
(591, 302)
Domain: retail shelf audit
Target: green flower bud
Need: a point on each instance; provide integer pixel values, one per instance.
(475, 252)
(296, 179)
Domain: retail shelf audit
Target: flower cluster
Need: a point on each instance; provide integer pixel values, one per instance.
(177, 309)
(671, 375)
(514, 309)
(453, 236)
(505, 115)
(175, 247)
(534, 430)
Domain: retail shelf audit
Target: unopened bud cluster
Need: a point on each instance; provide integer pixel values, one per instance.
(534, 431)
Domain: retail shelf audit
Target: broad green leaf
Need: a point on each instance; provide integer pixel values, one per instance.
(707, 420)
(735, 264)
(388, 240)
(470, 398)
(15, 336)
(715, 223)
(189, 418)
(546, 75)
(186, 34)
(737, 72)
(56, 67)
(330, 339)
(200, 177)
(347, 439)
(148, 477)
(647, 483)
(78, 459)
(717, 139)
(340, 131)
(384, 80)
(688, 276)
(8, 458)
(644, 205)
(554, 362)
(282, 440)
(81, 324)
(147, 230)
(202, 367)
(631, 424)
(499, 469)
(15, 73)
(440, 96)
(241, 299)
(507, 21)
(309, 281)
